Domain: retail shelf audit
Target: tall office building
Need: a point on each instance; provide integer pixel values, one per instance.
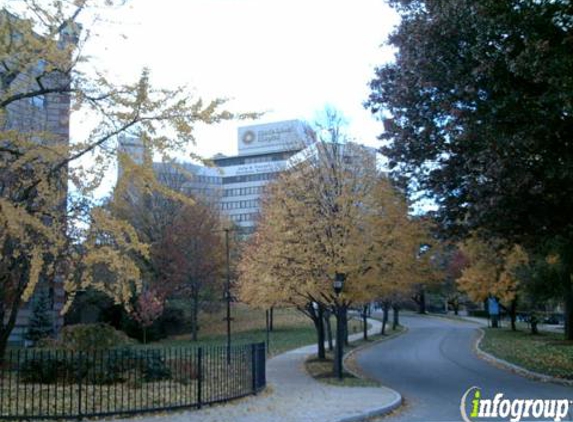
(235, 183)
(264, 151)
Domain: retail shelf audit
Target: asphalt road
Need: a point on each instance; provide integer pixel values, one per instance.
(432, 366)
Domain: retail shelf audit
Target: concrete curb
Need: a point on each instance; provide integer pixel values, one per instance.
(503, 364)
(350, 354)
(378, 411)
(454, 318)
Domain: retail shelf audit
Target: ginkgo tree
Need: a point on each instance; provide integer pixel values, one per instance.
(43, 65)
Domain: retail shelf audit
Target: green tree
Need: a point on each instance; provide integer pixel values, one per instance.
(41, 323)
(478, 107)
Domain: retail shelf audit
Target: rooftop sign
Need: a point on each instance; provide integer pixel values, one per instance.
(271, 137)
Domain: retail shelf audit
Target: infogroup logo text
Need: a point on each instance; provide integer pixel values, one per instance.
(474, 407)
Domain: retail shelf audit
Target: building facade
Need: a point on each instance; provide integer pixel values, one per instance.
(44, 120)
(234, 184)
(264, 151)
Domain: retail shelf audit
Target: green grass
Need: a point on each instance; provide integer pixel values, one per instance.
(292, 329)
(546, 353)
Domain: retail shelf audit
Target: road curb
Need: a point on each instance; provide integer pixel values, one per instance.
(379, 411)
(503, 364)
(365, 346)
(454, 318)
(375, 412)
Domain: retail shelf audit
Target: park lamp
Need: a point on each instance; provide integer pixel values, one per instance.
(338, 283)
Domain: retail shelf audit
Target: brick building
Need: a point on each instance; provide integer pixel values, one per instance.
(43, 119)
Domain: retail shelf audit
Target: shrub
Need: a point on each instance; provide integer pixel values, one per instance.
(478, 313)
(155, 368)
(103, 367)
(172, 321)
(89, 337)
(45, 369)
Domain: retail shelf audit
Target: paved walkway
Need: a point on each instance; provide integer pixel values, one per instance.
(293, 396)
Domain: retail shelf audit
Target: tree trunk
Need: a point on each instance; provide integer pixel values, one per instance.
(513, 314)
(365, 322)
(8, 324)
(568, 299)
(195, 318)
(422, 301)
(328, 327)
(271, 319)
(144, 335)
(396, 317)
(386, 309)
(316, 314)
(456, 308)
(3, 347)
(268, 329)
(533, 323)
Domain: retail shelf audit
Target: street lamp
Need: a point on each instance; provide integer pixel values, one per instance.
(338, 286)
(228, 296)
(338, 283)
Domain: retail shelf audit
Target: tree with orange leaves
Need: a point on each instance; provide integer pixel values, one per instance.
(189, 258)
(492, 272)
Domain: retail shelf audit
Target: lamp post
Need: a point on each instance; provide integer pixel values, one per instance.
(228, 297)
(338, 285)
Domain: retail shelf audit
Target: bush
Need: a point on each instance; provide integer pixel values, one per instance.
(104, 367)
(172, 322)
(155, 368)
(44, 369)
(479, 313)
(89, 337)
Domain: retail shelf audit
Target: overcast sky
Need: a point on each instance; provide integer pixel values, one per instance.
(288, 58)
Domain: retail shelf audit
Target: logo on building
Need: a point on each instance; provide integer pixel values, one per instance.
(248, 137)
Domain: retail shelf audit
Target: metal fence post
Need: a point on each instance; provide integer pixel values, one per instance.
(199, 377)
(142, 376)
(79, 381)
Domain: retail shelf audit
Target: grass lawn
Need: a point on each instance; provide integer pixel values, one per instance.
(292, 329)
(546, 353)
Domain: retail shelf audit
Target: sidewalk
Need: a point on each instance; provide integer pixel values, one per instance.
(294, 396)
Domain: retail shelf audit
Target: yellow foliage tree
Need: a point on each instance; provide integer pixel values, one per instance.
(492, 272)
(333, 212)
(44, 75)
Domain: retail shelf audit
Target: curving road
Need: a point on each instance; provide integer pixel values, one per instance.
(433, 364)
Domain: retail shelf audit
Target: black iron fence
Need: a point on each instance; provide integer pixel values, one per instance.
(61, 384)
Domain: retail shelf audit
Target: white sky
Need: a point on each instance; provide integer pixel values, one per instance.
(289, 58)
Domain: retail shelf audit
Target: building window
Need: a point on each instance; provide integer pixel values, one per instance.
(38, 101)
(249, 178)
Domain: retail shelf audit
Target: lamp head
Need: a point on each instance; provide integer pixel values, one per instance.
(338, 283)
